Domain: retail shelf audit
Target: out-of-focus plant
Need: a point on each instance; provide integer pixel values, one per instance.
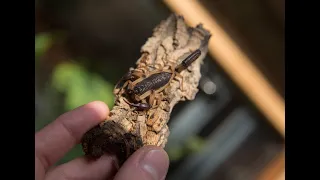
(43, 42)
(175, 153)
(80, 86)
(193, 144)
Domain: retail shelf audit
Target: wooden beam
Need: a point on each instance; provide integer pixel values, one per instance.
(281, 176)
(235, 62)
(275, 169)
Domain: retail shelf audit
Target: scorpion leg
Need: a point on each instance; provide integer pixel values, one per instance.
(152, 118)
(159, 68)
(180, 80)
(132, 84)
(124, 86)
(143, 96)
(131, 75)
(154, 99)
(138, 74)
(175, 75)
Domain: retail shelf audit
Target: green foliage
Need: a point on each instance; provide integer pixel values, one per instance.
(193, 144)
(80, 86)
(175, 153)
(73, 81)
(42, 43)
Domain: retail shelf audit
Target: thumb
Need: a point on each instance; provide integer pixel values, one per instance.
(147, 163)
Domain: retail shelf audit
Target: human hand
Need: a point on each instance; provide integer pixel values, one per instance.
(57, 138)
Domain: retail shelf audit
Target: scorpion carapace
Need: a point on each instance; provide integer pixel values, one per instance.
(153, 82)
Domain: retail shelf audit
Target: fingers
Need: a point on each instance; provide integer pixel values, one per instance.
(148, 163)
(82, 168)
(56, 139)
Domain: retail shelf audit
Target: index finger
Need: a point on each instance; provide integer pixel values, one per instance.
(57, 138)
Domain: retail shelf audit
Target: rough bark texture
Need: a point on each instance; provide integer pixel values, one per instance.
(127, 129)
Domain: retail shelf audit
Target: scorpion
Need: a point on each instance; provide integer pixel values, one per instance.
(140, 85)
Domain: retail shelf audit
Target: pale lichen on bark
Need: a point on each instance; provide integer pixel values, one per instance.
(126, 129)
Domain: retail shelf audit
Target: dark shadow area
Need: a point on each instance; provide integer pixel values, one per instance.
(258, 27)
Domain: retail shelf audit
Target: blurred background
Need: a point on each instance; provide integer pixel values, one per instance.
(83, 47)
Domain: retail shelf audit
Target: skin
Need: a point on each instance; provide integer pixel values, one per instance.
(56, 139)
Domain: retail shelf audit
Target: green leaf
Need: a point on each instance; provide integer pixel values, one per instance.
(80, 86)
(43, 42)
(102, 90)
(195, 144)
(175, 153)
(66, 75)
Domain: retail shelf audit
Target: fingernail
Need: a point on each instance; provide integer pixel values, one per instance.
(155, 164)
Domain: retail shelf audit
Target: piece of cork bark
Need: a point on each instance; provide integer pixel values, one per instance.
(127, 129)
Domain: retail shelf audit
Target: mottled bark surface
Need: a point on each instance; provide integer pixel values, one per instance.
(126, 129)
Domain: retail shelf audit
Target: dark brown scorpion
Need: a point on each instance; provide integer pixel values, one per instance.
(140, 87)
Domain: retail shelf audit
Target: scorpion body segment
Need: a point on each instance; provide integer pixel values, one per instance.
(153, 82)
(188, 61)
